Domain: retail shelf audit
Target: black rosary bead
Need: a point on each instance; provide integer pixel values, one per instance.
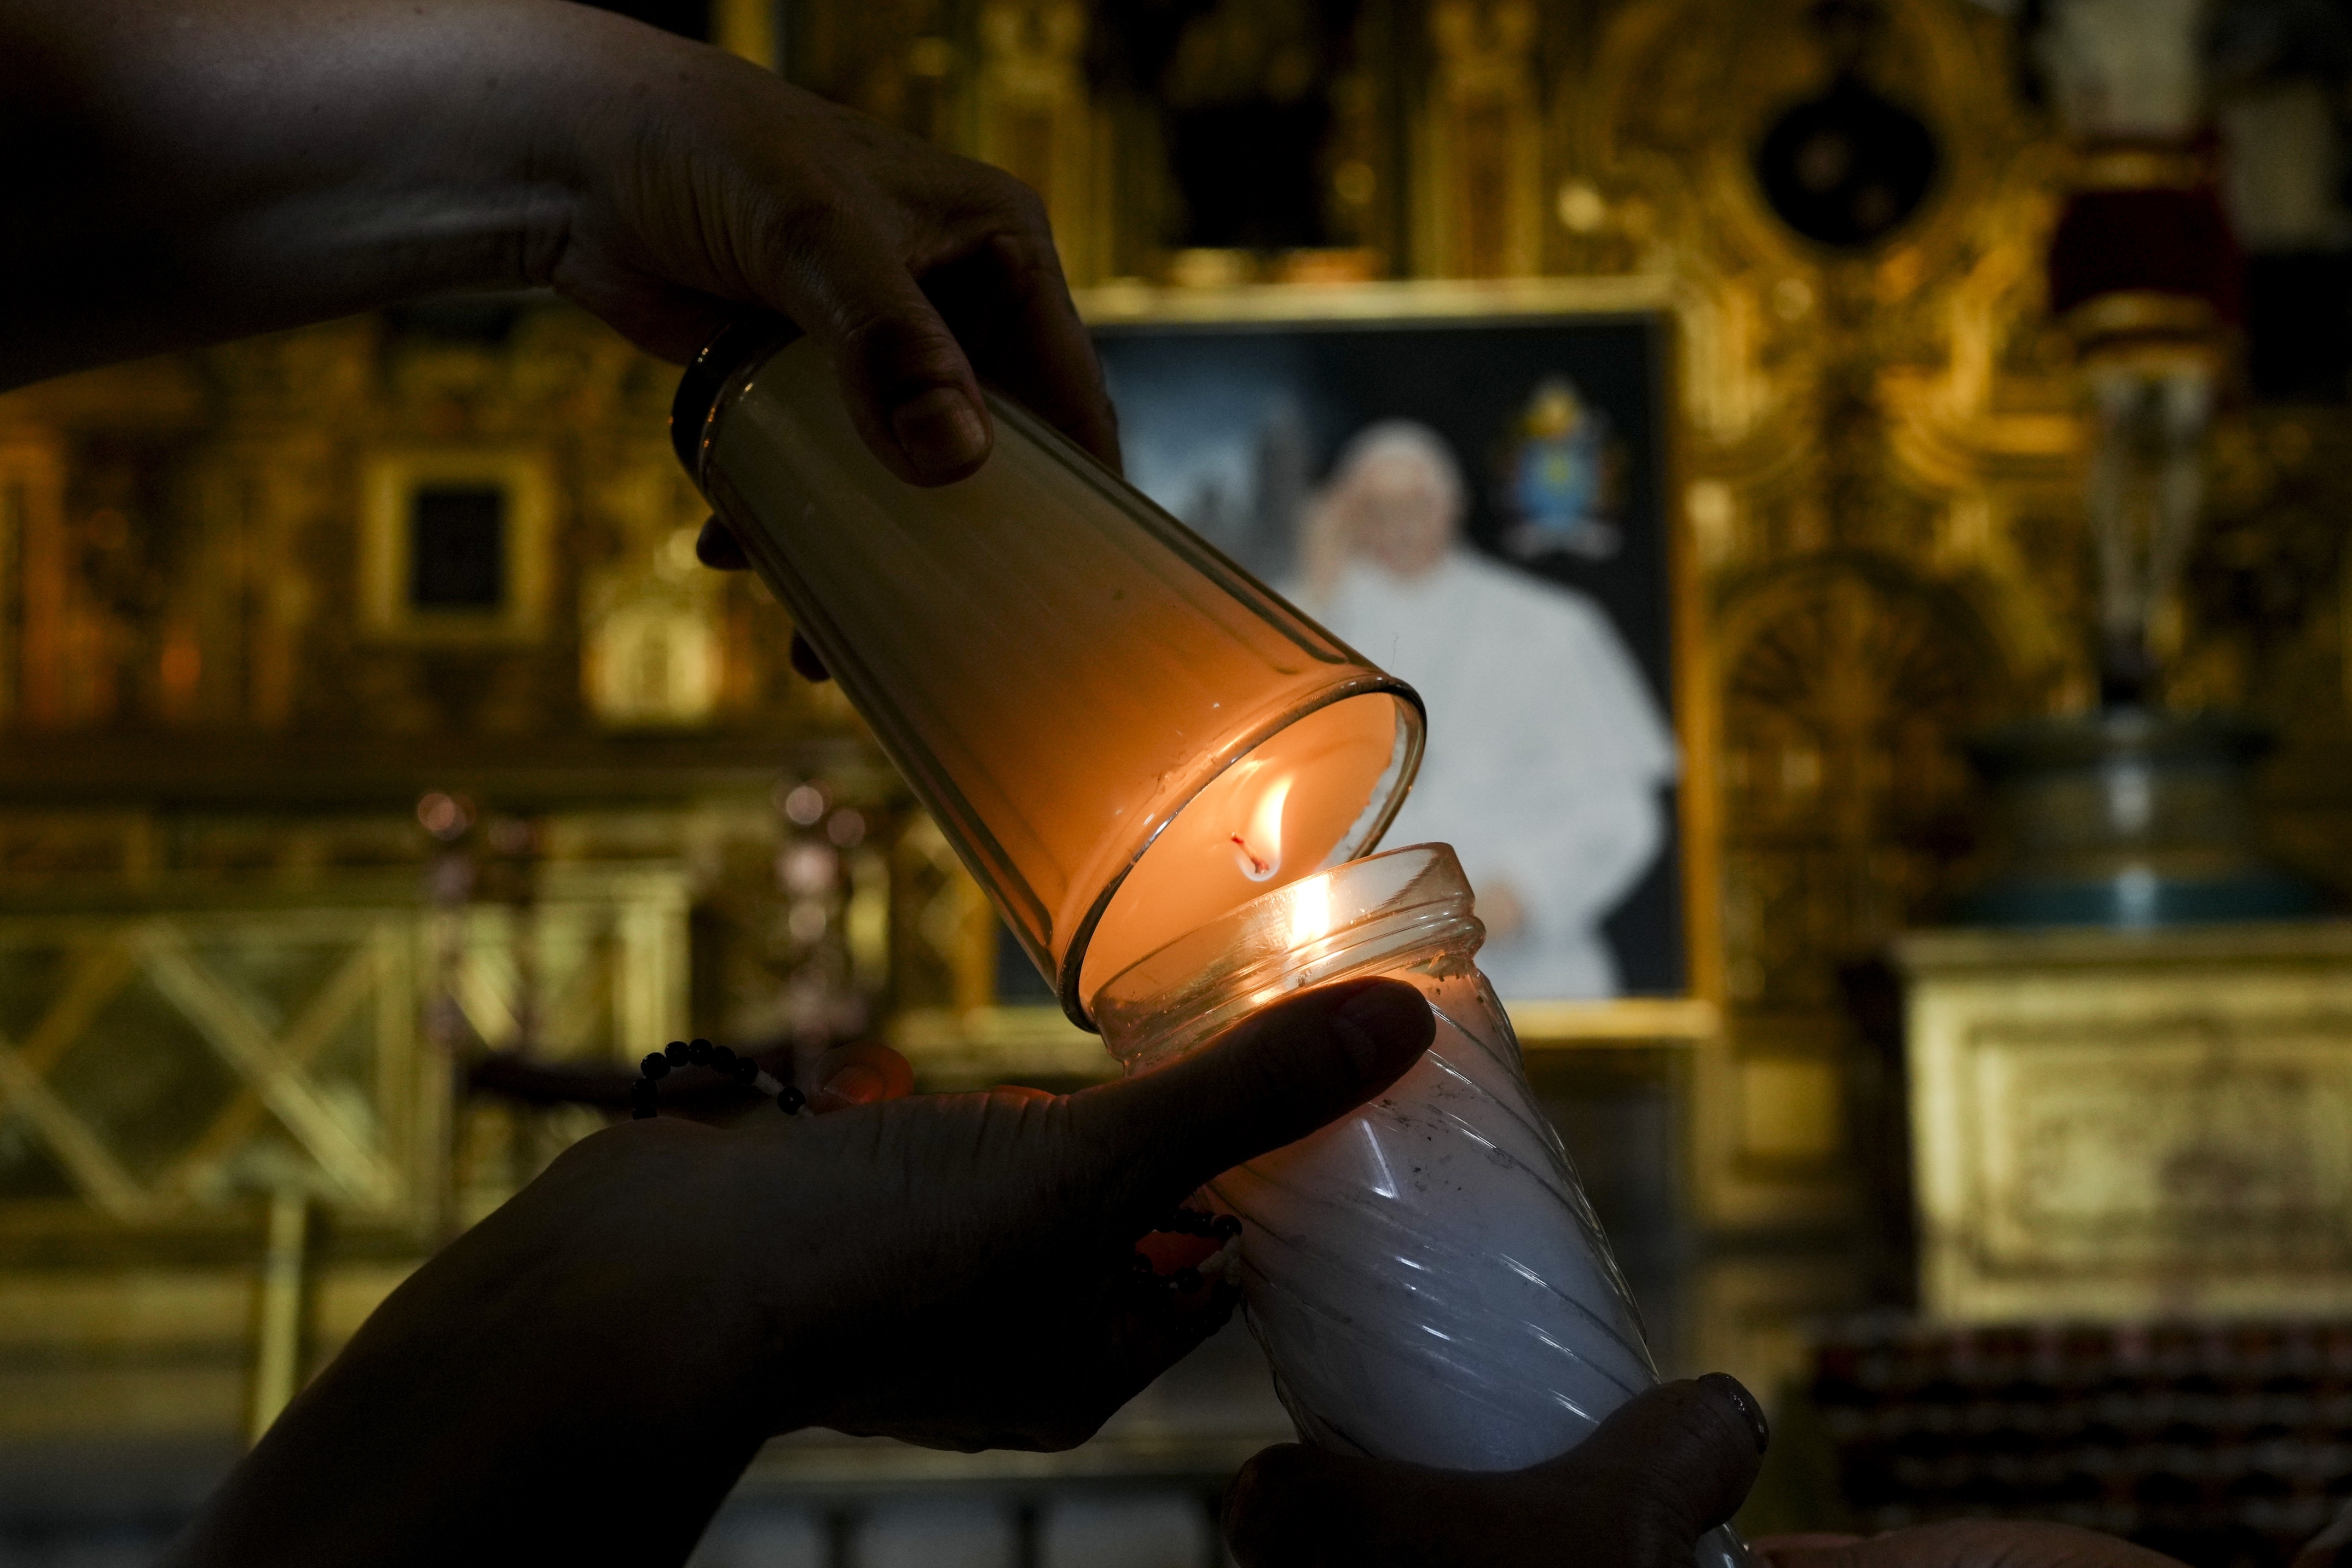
(1184, 1281)
(1225, 1227)
(726, 1062)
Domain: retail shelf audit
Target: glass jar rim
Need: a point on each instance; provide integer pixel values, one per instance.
(1334, 925)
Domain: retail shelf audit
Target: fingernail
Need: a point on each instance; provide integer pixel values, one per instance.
(805, 660)
(939, 432)
(1376, 1026)
(1731, 1388)
(717, 547)
(857, 1085)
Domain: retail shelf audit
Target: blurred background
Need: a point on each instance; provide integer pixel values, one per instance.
(380, 775)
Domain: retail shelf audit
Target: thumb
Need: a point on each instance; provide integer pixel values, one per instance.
(1269, 1080)
(1694, 1444)
(910, 388)
(1669, 1466)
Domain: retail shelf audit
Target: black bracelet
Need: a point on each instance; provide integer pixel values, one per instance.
(643, 1094)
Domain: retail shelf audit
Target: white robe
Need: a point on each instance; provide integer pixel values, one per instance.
(1545, 752)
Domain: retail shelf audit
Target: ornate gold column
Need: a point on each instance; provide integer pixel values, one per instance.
(1478, 175)
(1036, 121)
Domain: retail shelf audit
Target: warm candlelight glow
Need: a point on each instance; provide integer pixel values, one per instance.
(1280, 812)
(1310, 911)
(1258, 847)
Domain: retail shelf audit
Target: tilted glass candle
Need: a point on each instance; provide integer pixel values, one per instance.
(1425, 1275)
(1122, 732)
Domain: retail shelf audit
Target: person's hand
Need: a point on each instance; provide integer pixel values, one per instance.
(1661, 1471)
(587, 1371)
(702, 184)
(1961, 1544)
(230, 168)
(977, 1279)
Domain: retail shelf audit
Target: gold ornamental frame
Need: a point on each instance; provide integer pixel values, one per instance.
(977, 1046)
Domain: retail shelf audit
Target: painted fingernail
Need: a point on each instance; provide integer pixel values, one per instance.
(1731, 1388)
(857, 1085)
(941, 431)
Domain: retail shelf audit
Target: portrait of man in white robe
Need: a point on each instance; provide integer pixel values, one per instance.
(1547, 757)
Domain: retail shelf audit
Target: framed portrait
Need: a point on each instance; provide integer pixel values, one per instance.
(1474, 485)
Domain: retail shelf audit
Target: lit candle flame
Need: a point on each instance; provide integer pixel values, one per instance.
(1258, 848)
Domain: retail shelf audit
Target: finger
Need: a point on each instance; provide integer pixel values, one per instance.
(1295, 1506)
(1667, 1467)
(717, 547)
(1268, 1081)
(1693, 1447)
(860, 1074)
(806, 663)
(911, 392)
(1011, 308)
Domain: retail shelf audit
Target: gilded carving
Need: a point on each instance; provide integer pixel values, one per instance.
(2133, 1125)
(1846, 678)
(1037, 120)
(1480, 209)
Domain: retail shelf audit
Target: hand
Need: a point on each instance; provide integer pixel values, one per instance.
(1661, 1471)
(587, 1371)
(1961, 1544)
(703, 184)
(248, 165)
(1011, 1314)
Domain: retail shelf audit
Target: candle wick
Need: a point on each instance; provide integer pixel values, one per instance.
(1256, 866)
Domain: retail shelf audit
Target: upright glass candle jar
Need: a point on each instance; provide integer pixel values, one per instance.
(1123, 734)
(1425, 1275)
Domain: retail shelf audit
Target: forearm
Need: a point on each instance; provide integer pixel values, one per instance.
(583, 1376)
(443, 1455)
(187, 170)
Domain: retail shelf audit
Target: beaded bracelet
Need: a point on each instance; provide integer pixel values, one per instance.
(643, 1094)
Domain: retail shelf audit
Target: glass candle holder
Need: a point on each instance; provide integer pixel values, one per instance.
(1123, 734)
(1425, 1275)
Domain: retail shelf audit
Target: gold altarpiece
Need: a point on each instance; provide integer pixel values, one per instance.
(203, 721)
